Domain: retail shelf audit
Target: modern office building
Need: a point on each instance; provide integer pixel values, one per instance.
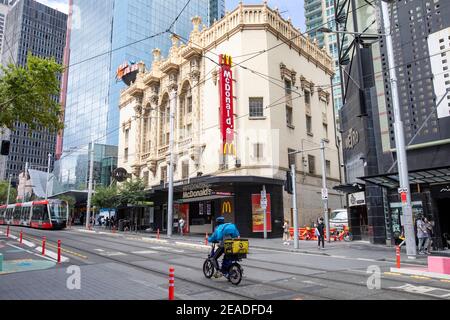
(235, 132)
(421, 49)
(105, 35)
(31, 27)
(322, 13)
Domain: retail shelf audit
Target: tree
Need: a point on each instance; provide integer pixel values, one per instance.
(4, 193)
(106, 197)
(29, 94)
(132, 192)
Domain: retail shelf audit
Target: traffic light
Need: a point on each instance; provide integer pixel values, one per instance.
(288, 183)
(5, 147)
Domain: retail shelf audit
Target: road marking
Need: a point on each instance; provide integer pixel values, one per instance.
(99, 250)
(167, 249)
(427, 291)
(48, 244)
(35, 254)
(365, 259)
(144, 252)
(393, 274)
(447, 281)
(420, 277)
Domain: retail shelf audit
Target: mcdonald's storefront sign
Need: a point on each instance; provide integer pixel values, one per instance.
(227, 105)
(227, 207)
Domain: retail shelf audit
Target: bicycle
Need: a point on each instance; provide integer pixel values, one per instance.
(231, 269)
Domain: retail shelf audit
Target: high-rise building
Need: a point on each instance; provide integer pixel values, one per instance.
(321, 13)
(5, 5)
(31, 27)
(421, 45)
(105, 35)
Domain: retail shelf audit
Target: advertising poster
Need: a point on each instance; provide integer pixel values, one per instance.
(258, 214)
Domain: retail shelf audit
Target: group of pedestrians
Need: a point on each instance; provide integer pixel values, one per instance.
(108, 222)
(319, 232)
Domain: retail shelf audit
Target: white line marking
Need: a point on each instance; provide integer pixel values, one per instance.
(143, 252)
(99, 250)
(40, 256)
(167, 249)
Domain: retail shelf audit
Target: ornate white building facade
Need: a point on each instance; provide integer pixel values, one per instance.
(282, 102)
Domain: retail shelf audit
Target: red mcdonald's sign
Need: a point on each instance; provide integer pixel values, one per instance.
(226, 105)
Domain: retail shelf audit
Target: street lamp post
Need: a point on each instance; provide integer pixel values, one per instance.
(91, 175)
(173, 104)
(48, 175)
(9, 189)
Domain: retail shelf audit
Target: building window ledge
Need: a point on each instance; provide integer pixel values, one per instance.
(257, 118)
(310, 134)
(291, 126)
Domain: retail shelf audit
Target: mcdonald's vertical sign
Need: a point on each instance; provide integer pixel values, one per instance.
(226, 105)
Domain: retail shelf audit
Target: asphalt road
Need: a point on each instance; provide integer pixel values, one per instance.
(134, 267)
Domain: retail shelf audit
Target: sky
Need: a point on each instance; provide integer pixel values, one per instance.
(288, 8)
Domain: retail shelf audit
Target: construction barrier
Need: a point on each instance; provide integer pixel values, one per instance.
(59, 251)
(171, 283)
(43, 245)
(307, 233)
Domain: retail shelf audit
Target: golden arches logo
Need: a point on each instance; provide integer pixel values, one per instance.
(226, 60)
(226, 207)
(229, 148)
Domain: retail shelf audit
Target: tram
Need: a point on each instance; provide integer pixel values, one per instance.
(45, 214)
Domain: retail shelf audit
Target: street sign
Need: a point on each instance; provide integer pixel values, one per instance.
(263, 203)
(324, 194)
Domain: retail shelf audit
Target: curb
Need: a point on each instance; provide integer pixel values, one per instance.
(423, 273)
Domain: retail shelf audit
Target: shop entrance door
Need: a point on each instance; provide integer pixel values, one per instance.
(444, 220)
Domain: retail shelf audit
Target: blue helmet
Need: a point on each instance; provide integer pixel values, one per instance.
(220, 220)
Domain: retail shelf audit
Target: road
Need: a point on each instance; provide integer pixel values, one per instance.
(118, 266)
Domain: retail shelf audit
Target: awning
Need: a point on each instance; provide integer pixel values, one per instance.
(430, 176)
(206, 198)
(350, 188)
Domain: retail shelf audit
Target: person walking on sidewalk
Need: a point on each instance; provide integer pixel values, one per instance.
(320, 233)
(422, 235)
(286, 235)
(181, 225)
(430, 225)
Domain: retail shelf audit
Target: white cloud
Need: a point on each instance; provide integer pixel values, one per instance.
(60, 5)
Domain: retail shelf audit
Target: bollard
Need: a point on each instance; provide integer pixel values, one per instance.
(21, 237)
(1, 262)
(59, 251)
(171, 283)
(397, 253)
(7, 231)
(43, 245)
(206, 239)
(157, 235)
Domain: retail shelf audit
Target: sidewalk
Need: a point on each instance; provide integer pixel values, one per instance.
(360, 250)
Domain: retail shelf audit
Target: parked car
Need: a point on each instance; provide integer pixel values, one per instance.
(339, 218)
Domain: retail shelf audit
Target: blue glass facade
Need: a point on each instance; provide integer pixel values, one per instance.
(104, 30)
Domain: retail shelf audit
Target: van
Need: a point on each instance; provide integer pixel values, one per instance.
(339, 218)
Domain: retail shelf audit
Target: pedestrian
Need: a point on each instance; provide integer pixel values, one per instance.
(286, 235)
(181, 225)
(422, 235)
(320, 233)
(429, 223)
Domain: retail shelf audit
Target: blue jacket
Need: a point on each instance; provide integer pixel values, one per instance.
(224, 230)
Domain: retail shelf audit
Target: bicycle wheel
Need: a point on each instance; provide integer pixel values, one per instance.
(235, 274)
(208, 269)
(348, 237)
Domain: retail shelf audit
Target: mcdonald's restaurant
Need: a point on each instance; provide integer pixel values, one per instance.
(237, 198)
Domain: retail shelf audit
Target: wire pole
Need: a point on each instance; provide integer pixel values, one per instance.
(324, 189)
(399, 141)
(91, 175)
(173, 105)
(294, 206)
(9, 189)
(48, 175)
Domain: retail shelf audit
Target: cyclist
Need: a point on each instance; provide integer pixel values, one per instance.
(223, 232)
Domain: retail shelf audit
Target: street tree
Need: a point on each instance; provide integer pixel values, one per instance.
(4, 193)
(106, 197)
(28, 94)
(132, 192)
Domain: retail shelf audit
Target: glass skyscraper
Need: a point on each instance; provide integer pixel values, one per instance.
(103, 35)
